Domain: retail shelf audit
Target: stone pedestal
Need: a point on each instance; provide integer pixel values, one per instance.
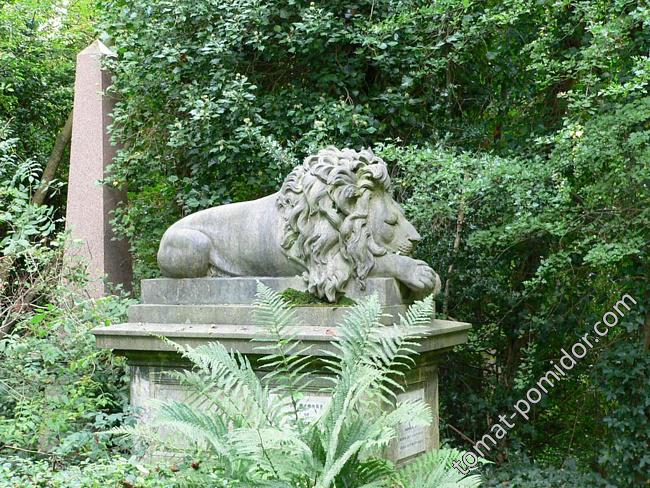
(196, 311)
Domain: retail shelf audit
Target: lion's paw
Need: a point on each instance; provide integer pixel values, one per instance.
(421, 277)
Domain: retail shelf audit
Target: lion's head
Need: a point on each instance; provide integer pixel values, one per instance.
(338, 214)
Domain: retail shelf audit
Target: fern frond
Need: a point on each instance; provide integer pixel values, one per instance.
(231, 375)
(197, 426)
(374, 473)
(387, 348)
(286, 357)
(350, 389)
(434, 470)
(278, 451)
(398, 342)
(367, 355)
(355, 332)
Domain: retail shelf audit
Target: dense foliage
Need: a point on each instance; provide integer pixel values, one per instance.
(24, 231)
(518, 133)
(39, 41)
(56, 388)
(19, 472)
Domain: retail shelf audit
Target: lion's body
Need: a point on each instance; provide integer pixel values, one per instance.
(334, 220)
(239, 239)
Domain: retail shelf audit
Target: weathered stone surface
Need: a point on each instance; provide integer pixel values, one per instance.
(421, 382)
(333, 222)
(214, 291)
(90, 204)
(239, 314)
(151, 380)
(211, 291)
(124, 338)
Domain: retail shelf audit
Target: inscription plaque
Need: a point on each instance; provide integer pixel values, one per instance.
(411, 439)
(311, 405)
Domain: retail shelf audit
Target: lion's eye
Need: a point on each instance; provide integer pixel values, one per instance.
(391, 220)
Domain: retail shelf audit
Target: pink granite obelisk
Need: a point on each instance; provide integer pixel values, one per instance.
(89, 203)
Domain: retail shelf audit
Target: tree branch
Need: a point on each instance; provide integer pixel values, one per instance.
(62, 141)
(459, 227)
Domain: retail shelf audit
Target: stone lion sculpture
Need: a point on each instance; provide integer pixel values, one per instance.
(334, 221)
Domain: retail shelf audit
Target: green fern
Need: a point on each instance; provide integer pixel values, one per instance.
(254, 428)
(286, 358)
(434, 470)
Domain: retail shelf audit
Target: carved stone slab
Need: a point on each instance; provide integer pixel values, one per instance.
(214, 291)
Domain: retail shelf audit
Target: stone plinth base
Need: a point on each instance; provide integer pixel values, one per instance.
(197, 311)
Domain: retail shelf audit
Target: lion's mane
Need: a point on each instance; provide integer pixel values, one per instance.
(324, 207)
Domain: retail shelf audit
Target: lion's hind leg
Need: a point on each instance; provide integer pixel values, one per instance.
(184, 253)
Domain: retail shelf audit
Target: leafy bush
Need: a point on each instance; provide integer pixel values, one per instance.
(252, 87)
(24, 227)
(527, 474)
(257, 430)
(623, 377)
(17, 472)
(547, 245)
(39, 42)
(57, 390)
(30, 248)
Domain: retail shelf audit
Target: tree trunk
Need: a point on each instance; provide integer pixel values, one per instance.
(459, 227)
(62, 141)
(646, 331)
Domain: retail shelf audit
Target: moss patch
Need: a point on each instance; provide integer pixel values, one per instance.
(305, 299)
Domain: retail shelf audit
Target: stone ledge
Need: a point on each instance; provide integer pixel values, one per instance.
(217, 291)
(124, 338)
(235, 315)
